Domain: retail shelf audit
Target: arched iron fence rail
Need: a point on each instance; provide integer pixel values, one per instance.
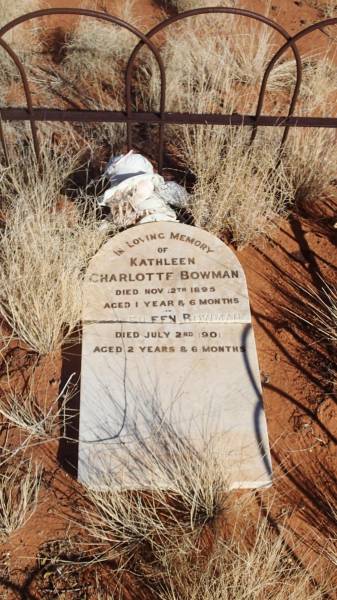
(163, 117)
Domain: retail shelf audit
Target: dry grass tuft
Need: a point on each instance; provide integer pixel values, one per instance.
(12, 10)
(19, 490)
(24, 43)
(220, 73)
(37, 418)
(186, 491)
(219, 76)
(97, 51)
(327, 8)
(183, 5)
(319, 311)
(310, 160)
(319, 84)
(213, 65)
(186, 537)
(310, 155)
(239, 190)
(262, 569)
(242, 558)
(96, 55)
(44, 249)
(323, 308)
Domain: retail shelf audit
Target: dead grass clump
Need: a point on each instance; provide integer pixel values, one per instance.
(213, 76)
(310, 159)
(165, 520)
(213, 66)
(262, 569)
(96, 55)
(37, 418)
(310, 155)
(22, 41)
(319, 85)
(319, 82)
(97, 51)
(219, 73)
(44, 250)
(19, 490)
(239, 190)
(321, 310)
(216, 64)
(183, 5)
(158, 498)
(242, 558)
(327, 8)
(12, 10)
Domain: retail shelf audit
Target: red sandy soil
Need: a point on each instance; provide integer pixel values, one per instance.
(298, 395)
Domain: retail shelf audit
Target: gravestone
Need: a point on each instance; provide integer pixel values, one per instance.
(168, 339)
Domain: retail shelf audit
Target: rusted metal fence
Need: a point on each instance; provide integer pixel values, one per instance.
(162, 117)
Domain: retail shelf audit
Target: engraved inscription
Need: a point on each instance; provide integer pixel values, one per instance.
(167, 332)
(166, 277)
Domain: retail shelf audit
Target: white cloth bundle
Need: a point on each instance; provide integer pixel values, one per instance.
(137, 194)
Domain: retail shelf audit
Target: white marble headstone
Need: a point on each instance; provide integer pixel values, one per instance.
(168, 343)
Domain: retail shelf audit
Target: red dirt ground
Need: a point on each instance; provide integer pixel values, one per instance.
(298, 396)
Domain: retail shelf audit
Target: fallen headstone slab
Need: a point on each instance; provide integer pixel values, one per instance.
(168, 343)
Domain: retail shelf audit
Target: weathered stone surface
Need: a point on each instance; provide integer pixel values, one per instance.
(160, 354)
(168, 273)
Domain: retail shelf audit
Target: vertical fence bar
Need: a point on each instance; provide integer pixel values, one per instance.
(3, 141)
(263, 89)
(129, 71)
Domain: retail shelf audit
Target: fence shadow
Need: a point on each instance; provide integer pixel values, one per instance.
(71, 372)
